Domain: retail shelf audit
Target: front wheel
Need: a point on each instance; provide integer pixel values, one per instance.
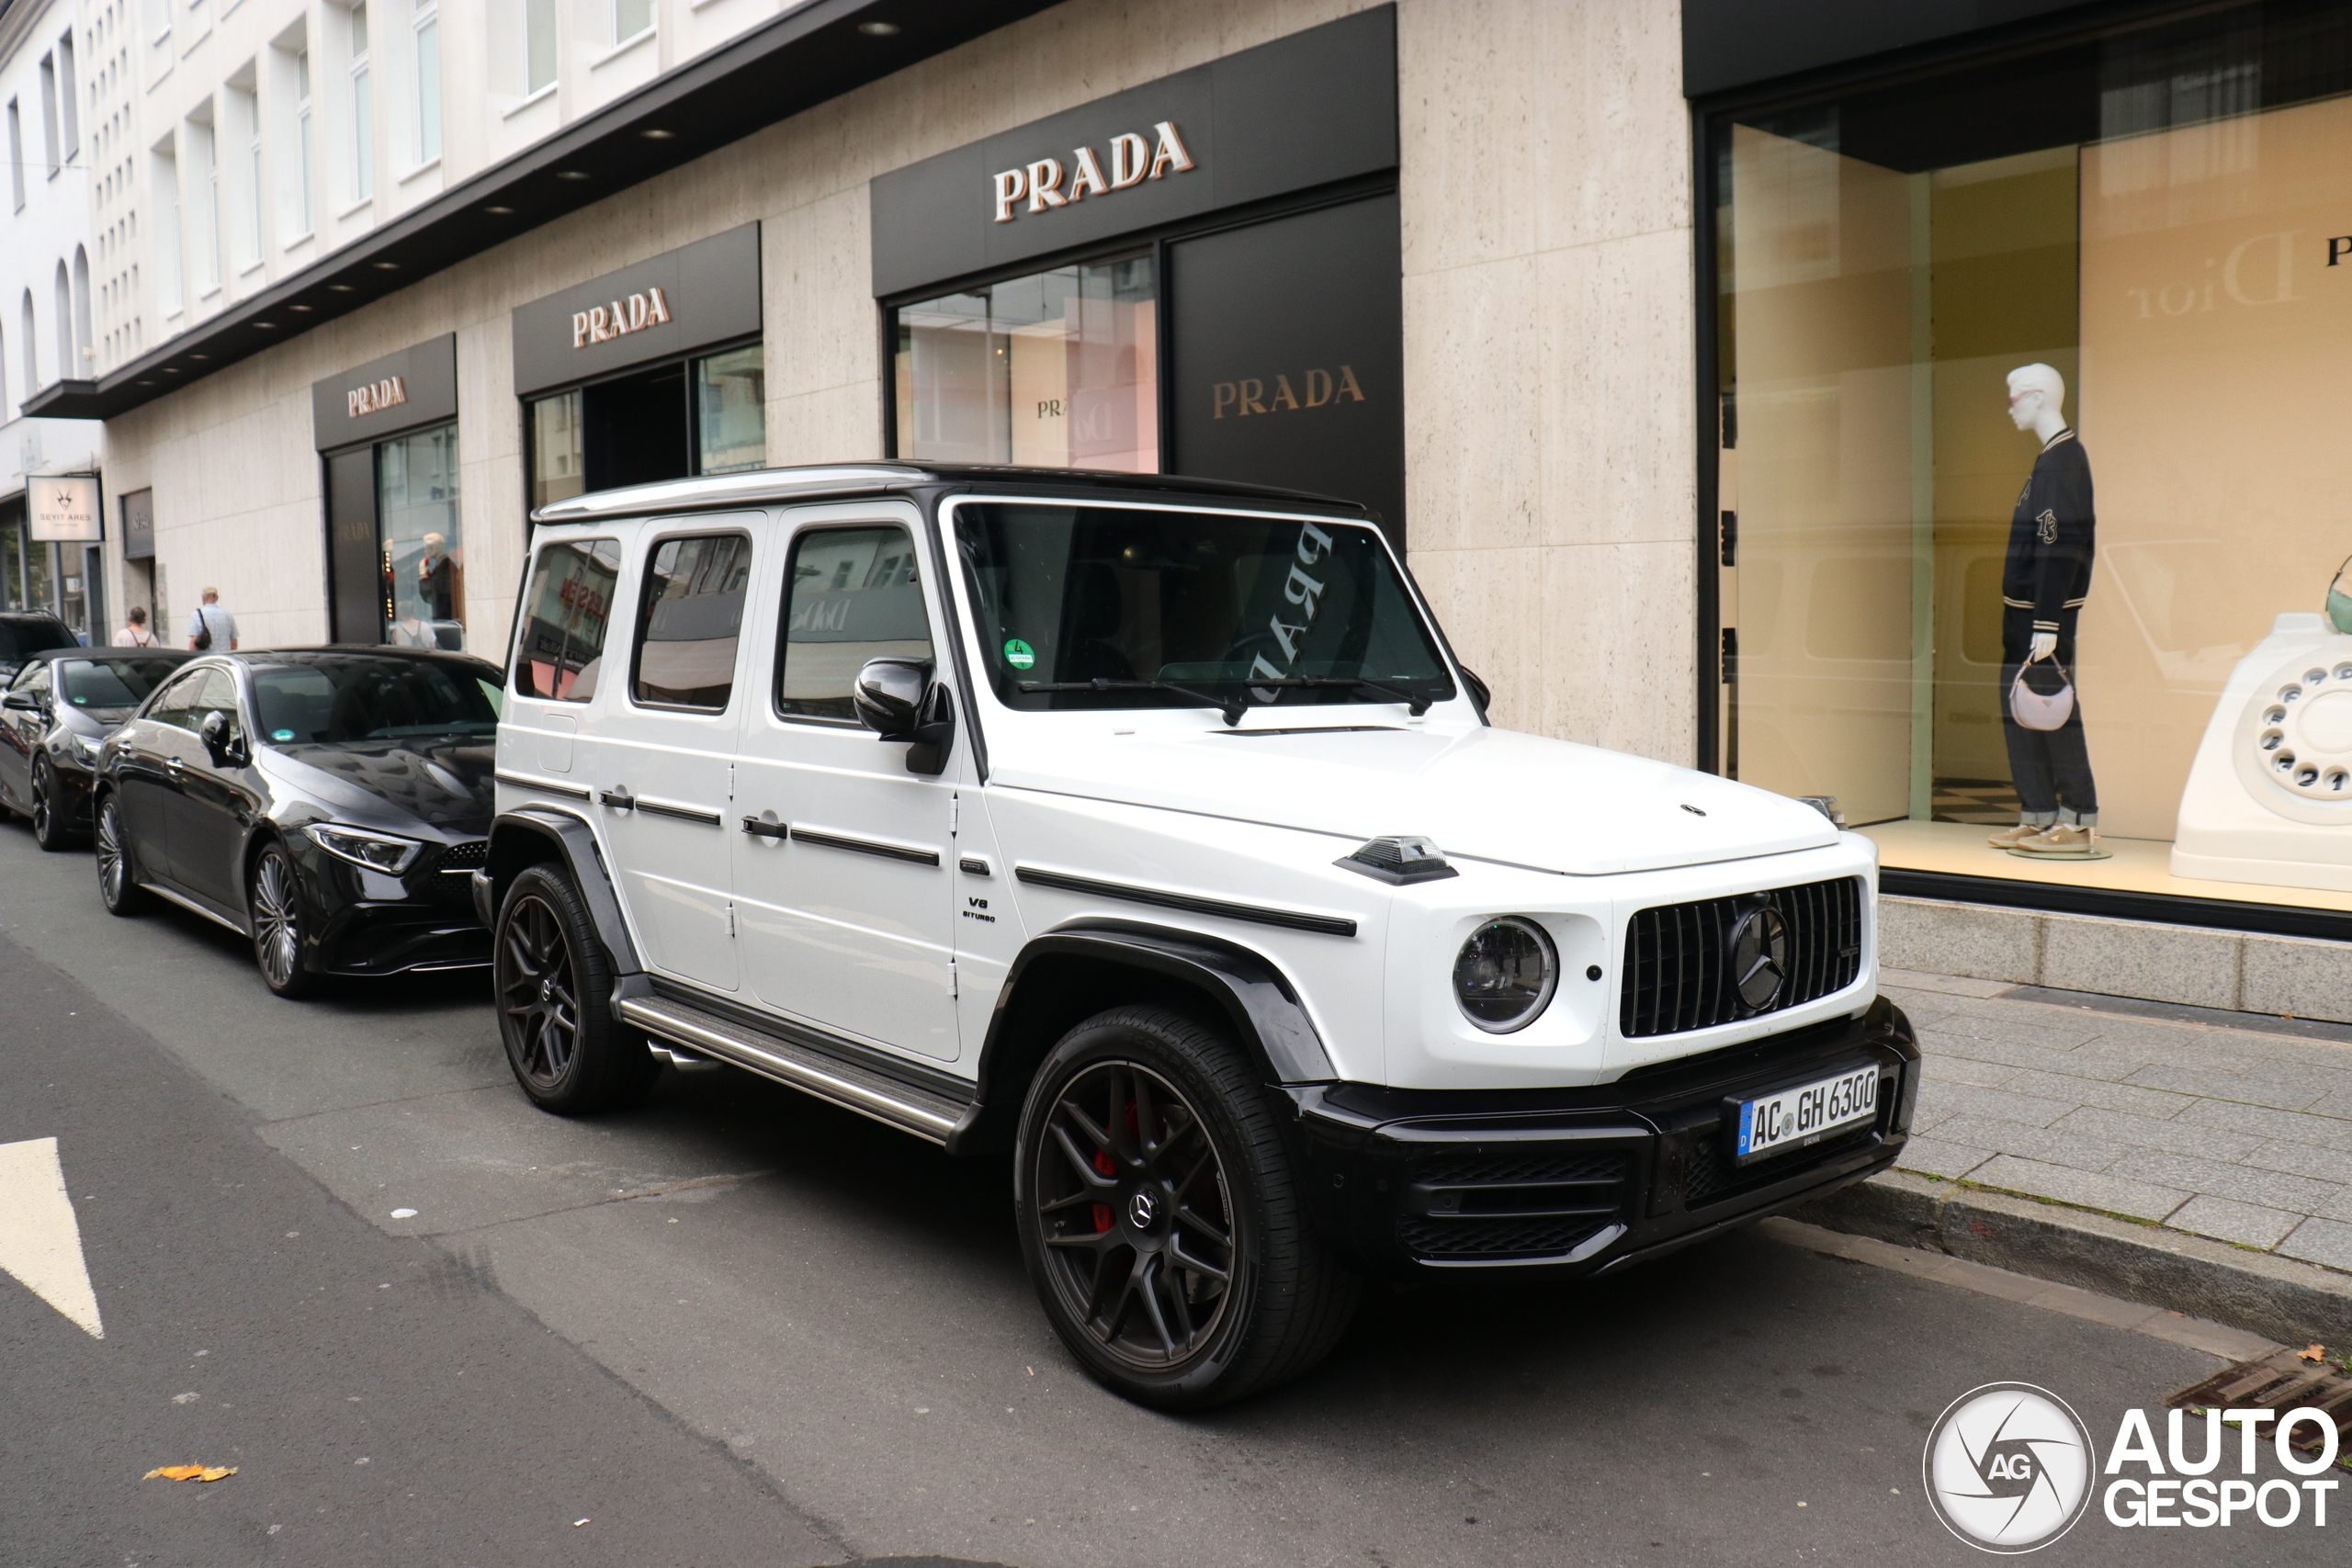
(118, 886)
(555, 1016)
(274, 911)
(1159, 1217)
(49, 829)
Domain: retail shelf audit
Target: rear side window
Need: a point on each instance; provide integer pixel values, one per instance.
(560, 652)
(171, 707)
(23, 638)
(691, 618)
(852, 595)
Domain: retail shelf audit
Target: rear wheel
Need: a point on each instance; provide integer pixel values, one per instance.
(555, 1016)
(1159, 1219)
(274, 912)
(49, 828)
(118, 866)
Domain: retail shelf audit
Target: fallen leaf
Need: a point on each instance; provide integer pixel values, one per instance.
(577, 1523)
(2316, 1353)
(191, 1472)
(217, 1472)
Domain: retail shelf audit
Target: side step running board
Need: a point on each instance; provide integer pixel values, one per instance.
(928, 1116)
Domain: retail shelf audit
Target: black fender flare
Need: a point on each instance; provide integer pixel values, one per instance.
(531, 835)
(1037, 1006)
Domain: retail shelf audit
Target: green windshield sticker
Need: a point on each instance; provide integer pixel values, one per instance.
(1019, 654)
(281, 734)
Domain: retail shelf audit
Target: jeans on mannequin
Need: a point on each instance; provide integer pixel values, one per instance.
(2051, 769)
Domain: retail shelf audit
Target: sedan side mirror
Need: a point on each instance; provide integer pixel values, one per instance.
(898, 700)
(220, 739)
(20, 702)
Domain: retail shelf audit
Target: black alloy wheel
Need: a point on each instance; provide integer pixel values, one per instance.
(50, 830)
(274, 913)
(1159, 1219)
(555, 986)
(118, 886)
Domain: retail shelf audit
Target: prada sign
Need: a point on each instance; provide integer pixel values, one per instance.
(1303, 112)
(416, 386)
(661, 308)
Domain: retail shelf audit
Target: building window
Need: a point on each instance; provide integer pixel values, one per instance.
(429, 83)
(17, 154)
(68, 99)
(730, 411)
(207, 239)
(631, 17)
(248, 107)
(48, 110)
(165, 181)
(668, 421)
(539, 44)
(1057, 369)
(362, 110)
(305, 217)
(2028, 463)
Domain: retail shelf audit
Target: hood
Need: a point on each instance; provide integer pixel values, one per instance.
(444, 783)
(1483, 794)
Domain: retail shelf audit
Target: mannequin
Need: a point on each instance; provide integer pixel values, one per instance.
(2045, 580)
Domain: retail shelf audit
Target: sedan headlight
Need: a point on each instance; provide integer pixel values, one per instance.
(377, 851)
(1505, 974)
(87, 746)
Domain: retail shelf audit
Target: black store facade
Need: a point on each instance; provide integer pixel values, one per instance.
(387, 436)
(653, 372)
(1199, 275)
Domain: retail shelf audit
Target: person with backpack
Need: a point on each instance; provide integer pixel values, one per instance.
(134, 634)
(211, 627)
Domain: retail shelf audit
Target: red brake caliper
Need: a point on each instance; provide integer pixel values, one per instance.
(1104, 1163)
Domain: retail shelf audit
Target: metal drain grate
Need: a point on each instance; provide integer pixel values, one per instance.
(2285, 1381)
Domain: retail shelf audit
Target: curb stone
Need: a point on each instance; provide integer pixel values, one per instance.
(2278, 1298)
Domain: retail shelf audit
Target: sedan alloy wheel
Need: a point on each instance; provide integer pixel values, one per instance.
(275, 909)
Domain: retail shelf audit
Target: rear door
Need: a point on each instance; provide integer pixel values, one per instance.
(21, 732)
(147, 777)
(662, 757)
(847, 922)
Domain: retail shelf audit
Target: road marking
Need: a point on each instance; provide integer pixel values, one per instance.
(40, 1241)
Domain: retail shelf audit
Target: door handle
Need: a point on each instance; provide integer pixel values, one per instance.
(619, 798)
(759, 828)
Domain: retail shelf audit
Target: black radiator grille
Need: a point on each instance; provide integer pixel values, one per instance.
(1677, 963)
(468, 856)
(1486, 1205)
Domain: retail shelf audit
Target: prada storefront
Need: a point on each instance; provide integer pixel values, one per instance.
(1200, 275)
(653, 372)
(387, 432)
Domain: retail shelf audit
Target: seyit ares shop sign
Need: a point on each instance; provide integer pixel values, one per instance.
(63, 509)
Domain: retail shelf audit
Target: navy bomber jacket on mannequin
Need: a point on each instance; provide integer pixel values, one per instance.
(2049, 566)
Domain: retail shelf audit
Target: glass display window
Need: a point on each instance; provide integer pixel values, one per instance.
(417, 533)
(2028, 466)
(669, 419)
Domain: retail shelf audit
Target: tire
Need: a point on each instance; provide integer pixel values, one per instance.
(274, 915)
(555, 984)
(1148, 1158)
(118, 886)
(49, 828)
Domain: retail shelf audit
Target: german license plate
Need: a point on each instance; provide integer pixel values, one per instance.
(1790, 1118)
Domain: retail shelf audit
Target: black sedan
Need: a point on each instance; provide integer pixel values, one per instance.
(329, 804)
(55, 715)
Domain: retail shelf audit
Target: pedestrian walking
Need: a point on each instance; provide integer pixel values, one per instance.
(134, 634)
(212, 629)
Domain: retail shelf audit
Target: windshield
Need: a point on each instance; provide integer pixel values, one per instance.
(374, 697)
(23, 638)
(1209, 601)
(112, 683)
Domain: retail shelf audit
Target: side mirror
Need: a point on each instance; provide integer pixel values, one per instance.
(20, 702)
(898, 700)
(220, 739)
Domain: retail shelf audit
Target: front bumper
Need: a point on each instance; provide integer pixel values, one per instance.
(1585, 1180)
(370, 923)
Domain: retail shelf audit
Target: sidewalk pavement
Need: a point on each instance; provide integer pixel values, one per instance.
(2192, 1123)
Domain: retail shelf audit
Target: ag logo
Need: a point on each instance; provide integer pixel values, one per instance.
(2008, 1467)
(1760, 956)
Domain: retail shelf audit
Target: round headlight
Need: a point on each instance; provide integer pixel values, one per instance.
(1505, 974)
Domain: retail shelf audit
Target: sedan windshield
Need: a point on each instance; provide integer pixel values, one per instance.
(332, 700)
(1130, 604)
(112, 683)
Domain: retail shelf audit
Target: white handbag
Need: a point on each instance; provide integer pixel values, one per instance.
(2034, 711)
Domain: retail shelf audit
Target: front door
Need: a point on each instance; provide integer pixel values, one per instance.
(847, 923)
(215, 801)
(664, 755)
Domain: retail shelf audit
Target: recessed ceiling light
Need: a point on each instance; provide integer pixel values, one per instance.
(299, 307)
(267, 326)
(199, 357)
(146, 383)
(501, 211)
(657, 134)
(171, 369)
(338, 288)
(879, 29)
(572, 173)
(385, 266)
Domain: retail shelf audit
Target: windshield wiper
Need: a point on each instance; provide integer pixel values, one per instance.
(1417, 705)
(1232, 707)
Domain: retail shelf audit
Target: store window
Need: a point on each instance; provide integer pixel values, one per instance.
(698, 416)
(424, 555)
(2030, 471)
(387, 434)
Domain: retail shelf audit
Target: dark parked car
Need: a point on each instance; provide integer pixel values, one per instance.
(329, 804)
(24, 633)
(57, 713)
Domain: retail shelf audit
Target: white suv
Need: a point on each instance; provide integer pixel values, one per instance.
(1148, 828)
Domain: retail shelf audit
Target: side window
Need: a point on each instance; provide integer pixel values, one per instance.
(851, 594)
(36, 678)
(559, 651)
(171, 704)
(217, 693)
(691, 617)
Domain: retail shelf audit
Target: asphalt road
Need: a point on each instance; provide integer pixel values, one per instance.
(737, 1326)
